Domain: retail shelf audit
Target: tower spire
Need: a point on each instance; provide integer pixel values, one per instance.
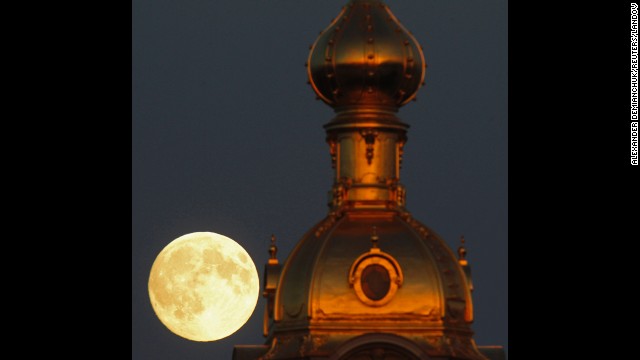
(366, 65)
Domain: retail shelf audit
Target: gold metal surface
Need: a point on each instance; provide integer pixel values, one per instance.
(315, 297)
(466, 268)
(375, 257)
(366, 65)
(271, 277)
(366, 57)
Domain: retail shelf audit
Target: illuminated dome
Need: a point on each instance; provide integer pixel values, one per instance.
(320, 287)
(366, 57)
(368, 281)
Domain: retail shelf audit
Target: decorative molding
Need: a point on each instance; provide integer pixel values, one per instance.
(293, 312)
(333, 147)
(329, 221)
(317, 341)
(369, 136)
(339, 193)
(375, 258)
(401, 141)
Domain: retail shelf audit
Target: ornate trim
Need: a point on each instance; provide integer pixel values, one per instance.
(369, 136)
(375, 257)
(401, 141)
(333, 149)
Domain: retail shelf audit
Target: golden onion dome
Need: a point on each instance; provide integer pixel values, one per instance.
(366, 58)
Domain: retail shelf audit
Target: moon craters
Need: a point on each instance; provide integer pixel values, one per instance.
(203, 286)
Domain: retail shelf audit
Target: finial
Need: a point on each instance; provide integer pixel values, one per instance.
(374, 238)
(462, 252)
(273, 250)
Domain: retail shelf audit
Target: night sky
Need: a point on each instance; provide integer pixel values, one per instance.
(228, 138)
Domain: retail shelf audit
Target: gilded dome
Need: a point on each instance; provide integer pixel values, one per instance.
(366, 57)
(316, 287)
(368, 281)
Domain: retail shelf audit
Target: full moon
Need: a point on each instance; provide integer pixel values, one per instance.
(203, 286)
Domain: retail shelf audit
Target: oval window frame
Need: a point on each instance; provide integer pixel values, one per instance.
(375, 258)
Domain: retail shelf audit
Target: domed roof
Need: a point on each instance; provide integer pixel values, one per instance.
(368, 279)
(320, 285)
(366, 57)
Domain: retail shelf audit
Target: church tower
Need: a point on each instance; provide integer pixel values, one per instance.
(368, 281)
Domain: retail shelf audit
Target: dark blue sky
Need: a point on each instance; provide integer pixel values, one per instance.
(228, 137)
